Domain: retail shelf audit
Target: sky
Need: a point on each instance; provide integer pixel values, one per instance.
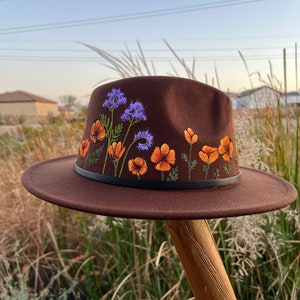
(235, 44)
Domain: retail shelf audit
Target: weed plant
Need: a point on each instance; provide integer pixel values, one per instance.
(48, 252)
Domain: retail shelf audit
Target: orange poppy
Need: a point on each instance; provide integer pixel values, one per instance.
(116, 150)
(163, 158)
(137, 166)
(190, 136)
(84, 147)
(97, 131)
(208, 154)
(226, 148)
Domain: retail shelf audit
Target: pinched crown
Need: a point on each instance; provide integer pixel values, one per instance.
(159, 132)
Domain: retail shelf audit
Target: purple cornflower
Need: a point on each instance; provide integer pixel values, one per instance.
(145, 135)
(135, 112)
(114, 99)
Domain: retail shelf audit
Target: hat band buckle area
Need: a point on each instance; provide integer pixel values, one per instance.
(155, 184)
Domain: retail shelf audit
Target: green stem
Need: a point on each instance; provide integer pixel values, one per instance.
(131, 123)
(105, 159)
(126, 134)
(125, 156)
(206, 170)
(115, 167)
(189, 162)
(126, 153)
(109, 135)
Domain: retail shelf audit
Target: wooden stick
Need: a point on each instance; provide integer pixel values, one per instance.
(201, 260)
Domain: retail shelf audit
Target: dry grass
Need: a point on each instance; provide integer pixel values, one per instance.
(47, 251)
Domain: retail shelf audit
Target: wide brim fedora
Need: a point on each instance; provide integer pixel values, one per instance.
(56, 182)
(158, 147)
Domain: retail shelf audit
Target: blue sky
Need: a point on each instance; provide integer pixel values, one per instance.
(51, 62)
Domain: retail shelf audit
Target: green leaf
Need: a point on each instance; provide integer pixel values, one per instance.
(193, 164)
(216, 174)
(184, 157)
(105, 121)
(116, 132)
(93, 158)
(173, 174)
(227, 169)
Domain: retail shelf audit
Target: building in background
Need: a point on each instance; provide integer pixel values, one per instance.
(292, 99)
(264, 97)
(31, 107)
(257, 98)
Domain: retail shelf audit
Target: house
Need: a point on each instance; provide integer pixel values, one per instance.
(257, 98)
(292, 99)
(32, 107)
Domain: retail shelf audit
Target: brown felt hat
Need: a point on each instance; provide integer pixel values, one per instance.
(158, 148)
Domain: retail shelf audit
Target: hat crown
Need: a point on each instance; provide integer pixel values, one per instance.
(159, 130)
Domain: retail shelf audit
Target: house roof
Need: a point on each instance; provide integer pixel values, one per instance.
(254, 90)
(293, 94)
(21, 96)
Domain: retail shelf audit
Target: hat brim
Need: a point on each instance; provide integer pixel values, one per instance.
(55, 181)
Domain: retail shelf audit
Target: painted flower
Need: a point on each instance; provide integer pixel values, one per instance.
(163, 158)
(84, 147)
(208, 154)
(135, 112)
(190, 136)
(148, 140)
(97, 131)
(137, 166)
(226, 148)
(116, 151)
(114, 99)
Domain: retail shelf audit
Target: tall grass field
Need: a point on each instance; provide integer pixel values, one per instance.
(48, 252)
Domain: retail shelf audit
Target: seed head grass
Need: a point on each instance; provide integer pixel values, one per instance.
(48, 252)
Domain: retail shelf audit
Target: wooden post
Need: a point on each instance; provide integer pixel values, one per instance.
(201, 260)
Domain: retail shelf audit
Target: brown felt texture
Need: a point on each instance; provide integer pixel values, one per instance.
(191, 124)
(56, 182)
(171, 105)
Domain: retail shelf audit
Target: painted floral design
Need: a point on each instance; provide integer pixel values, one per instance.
(134, 113)
(97, 131)
(147, 139)
(116, 151)
(111, 139)
(163, 157)
(191, 138)
(137, 166)
(145, 136)
(84, 147)
(226, 148)
(114, 99)
(111, 130)
(208, 155)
